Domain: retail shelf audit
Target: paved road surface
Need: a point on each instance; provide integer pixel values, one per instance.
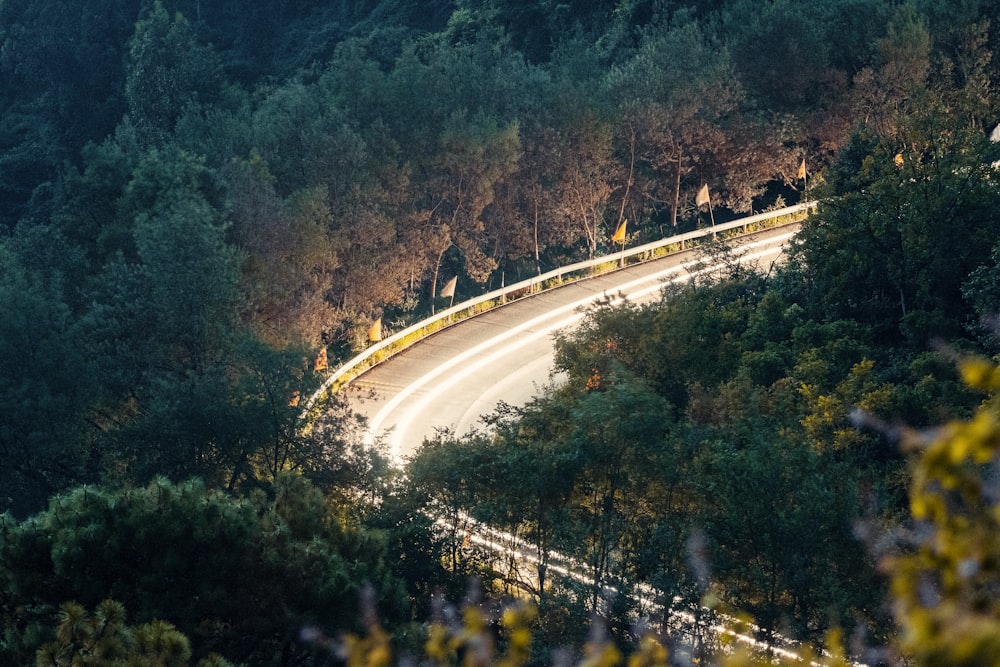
(458, 374)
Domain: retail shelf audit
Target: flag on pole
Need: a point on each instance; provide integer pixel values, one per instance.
(449, 288)
(320, 364)
(619, 235)
(802, 169)
(702, 197)
(375, 331)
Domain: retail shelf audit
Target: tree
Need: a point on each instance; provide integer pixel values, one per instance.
(474, 155)
(894, 250)
(164, 320)
(104, 640)
(166, 70)
(903, 66)
(185, 387)
(616, 427)
(91, 216)
(462, 142)
(777, 517)
(535, 473)
(529, 218)
(239, 577)
(415, 546)
(447, 473)
(44, 386)
(347, 200)
(760, 385)
(982, 292)
(675, 93)
(290, 256)
(61, 87)
(944, 571)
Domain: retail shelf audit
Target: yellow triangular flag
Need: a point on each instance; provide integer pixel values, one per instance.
(802, 169)
(320, 364)
(619, 235)
(702, 197)
(375, 331)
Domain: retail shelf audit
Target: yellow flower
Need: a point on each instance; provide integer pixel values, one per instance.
(979, 373)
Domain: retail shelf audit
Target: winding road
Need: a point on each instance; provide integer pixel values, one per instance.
(451, 378)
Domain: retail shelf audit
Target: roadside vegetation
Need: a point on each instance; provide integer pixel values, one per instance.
(203, 206)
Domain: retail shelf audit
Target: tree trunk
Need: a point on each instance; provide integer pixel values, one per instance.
(434, 279)
(631, 172)
(677, 190)
(538, 260)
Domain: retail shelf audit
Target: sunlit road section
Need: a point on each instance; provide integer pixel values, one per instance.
(452, 378)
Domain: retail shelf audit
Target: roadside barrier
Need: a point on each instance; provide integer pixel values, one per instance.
(401, 340)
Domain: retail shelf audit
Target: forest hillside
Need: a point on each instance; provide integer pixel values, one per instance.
(199, 201)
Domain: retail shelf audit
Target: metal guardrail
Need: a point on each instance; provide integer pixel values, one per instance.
(401, 340)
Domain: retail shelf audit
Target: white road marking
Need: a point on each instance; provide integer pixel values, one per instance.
(450, 373)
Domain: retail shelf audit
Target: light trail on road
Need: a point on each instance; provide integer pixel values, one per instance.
(494, 540)
(447, 376)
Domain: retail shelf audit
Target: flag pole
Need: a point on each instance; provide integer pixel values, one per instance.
(711, 216)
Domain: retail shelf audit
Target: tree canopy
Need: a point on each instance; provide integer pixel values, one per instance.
(204, 204)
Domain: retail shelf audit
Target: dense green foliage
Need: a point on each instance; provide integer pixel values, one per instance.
(104, 640)
(221, 569)
(197, 198)
(942, 560)
(718, 418)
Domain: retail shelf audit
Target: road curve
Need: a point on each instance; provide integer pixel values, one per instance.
(451, 378)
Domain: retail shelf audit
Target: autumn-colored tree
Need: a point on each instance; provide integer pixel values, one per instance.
(676, 92)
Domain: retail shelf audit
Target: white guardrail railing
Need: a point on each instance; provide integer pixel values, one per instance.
(401, 340)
